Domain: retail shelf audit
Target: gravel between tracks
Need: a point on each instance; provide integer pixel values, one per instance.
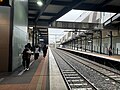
(99, 80)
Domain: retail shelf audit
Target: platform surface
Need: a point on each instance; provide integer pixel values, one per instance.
(56, 80)
(44, 74)
(113, 57)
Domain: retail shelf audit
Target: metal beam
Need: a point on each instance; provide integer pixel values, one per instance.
(112, 8)
(40, 23)
(42, 9)
(61, 3)
(74, 4)
(42, 31)
(30, 6)
(100, 41)
(105, 2)
(101, 5)
(76, 25)
(49, 14)
(33, 8)
(67, 25)
(31, 15)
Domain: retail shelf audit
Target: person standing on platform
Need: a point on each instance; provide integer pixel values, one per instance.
(26, 57)
(110, 51)
(36, 52)
(44, 50)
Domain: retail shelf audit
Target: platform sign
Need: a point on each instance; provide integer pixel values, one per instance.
(4, 3)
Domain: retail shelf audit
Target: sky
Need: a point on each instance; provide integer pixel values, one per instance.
(54, 33)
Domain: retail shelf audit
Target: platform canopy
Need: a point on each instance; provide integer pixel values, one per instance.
(54, 9)
(113, 22)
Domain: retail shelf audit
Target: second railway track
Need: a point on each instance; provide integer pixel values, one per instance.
(102, 78)
(73, 78)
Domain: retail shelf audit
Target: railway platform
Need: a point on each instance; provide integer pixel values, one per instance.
(111, 61)
(43, 75)
(113, 57)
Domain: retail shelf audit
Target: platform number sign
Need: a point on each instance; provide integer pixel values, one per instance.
(4, 2)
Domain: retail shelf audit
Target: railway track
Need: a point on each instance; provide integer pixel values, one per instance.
(111, 79)
(73, 78)
(107, 71)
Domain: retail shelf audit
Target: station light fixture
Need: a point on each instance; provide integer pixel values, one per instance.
(30, 27)
(41, 39)
(89, 41)
(83, 30)
(40, 2)
(1, 0)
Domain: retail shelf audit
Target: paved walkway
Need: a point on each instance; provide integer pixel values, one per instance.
(44, 74)
(34, 79)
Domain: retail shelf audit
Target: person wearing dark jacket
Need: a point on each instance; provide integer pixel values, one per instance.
(29, 46)
(26, 57)
(44, 50)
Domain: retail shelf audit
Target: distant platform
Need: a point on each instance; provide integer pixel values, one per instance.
(111, 61)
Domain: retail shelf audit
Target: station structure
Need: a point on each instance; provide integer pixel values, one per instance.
(27, 21)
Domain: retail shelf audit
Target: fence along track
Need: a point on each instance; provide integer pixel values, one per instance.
(74, 79)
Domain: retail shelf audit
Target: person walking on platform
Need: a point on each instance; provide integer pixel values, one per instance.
(26, 57)
(36, 52)
(29, 46)
(44, 50)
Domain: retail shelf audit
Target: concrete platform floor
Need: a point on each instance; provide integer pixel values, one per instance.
(43, 75)
(34, 79)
